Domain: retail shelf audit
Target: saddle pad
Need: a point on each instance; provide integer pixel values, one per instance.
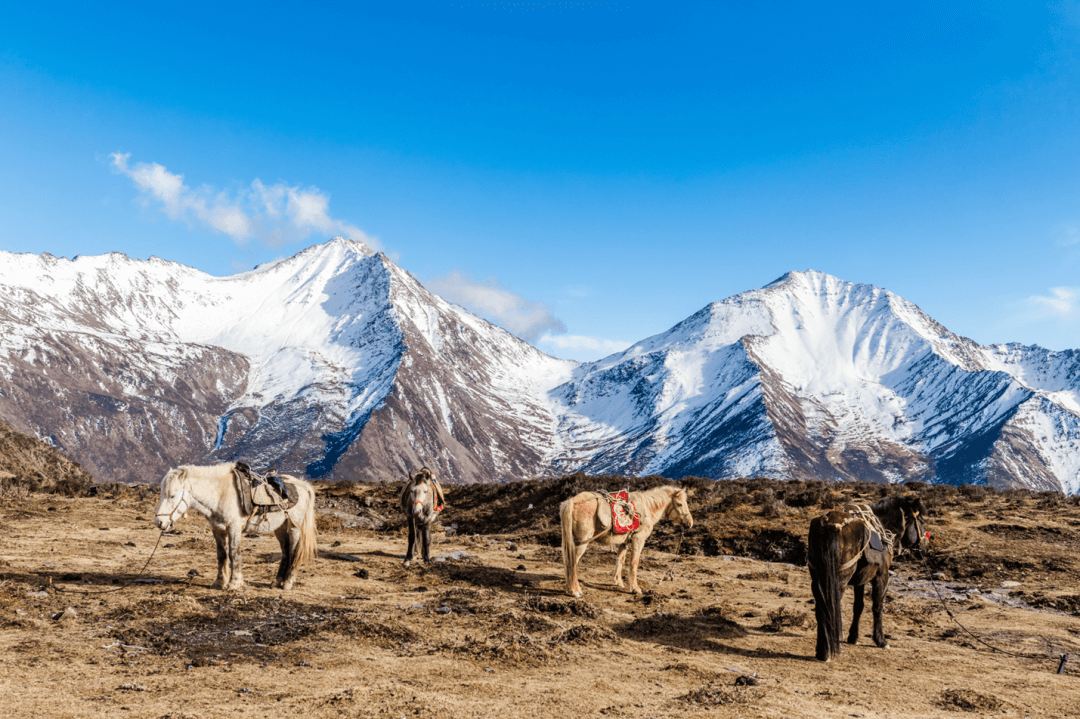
(624, 515)
(263, 495)
(875, 541)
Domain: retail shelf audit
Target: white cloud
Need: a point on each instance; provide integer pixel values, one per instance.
(270, 214)
(527, 319)
(594, 346)
(1063, 302)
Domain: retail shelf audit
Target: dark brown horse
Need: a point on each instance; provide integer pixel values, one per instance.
(855, 545)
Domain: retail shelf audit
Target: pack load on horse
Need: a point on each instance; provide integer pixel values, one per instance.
(422, 499)
(625, 519)
(234, 499)
(856, 545)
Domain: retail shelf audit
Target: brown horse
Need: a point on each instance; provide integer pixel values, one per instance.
(421, 501)
(587, 518)
(855, 545)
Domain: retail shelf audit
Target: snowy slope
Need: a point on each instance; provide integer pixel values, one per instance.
(813, 376)
(335, 362)
(310, 347)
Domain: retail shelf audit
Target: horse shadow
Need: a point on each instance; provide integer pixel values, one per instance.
(701, 632)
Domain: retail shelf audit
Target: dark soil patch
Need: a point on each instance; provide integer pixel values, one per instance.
(968, 700)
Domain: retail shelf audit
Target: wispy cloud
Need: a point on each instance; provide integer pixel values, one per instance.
(527, 319)
(271, 214)
(1067, 234)
(1063, 302)
(593, 346)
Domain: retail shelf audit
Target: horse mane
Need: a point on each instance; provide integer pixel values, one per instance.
(653, 497)
(908, 501)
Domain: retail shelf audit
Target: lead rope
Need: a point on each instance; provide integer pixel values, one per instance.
(120, 588)
(1063, 658)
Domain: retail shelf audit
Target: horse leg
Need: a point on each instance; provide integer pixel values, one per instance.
(282, 534)
(620, 558)
(856, 612)
(635, 557)
(222, 559)
(425, 541)
(878, 588)
(575, 586)
(292, 538)
(236, 578)
(412, 541)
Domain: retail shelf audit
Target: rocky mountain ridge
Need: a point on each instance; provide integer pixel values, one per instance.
(337, 363)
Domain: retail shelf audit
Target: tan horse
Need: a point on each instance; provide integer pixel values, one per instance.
(587, 518)
(211, 491)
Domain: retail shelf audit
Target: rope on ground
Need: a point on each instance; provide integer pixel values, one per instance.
(122, 587)
(1063, 658)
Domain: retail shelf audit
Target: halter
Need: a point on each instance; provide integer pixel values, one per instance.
(435, 504)
(678, 510)
(185, 501)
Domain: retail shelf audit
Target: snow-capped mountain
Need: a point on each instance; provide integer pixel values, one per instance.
(815, 377)
(335, 362)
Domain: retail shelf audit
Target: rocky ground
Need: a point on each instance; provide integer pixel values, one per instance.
(725, 629)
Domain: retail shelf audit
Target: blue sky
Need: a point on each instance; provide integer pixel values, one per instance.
(585, 173)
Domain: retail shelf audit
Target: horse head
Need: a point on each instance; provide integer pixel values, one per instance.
(175, 499)
(915, 535)
(420, 491)
(679, 510)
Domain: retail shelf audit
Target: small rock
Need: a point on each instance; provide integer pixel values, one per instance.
(511, 547)
(193, 572)
(51, 509)
(420, 589)
(362, 574)
(444, 609)
(104, 529)
(336, 544)
(1009, 583)
(66, 615)
(745, 681)
(129, 544)
(131, 688)
(520, 567)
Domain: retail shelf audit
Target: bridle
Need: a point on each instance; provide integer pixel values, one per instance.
(185, 502)
(683, 516)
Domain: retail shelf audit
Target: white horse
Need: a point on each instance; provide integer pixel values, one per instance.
(586, 518)
(211, 491)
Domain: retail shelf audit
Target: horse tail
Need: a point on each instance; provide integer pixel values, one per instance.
(827, 584)
(308, 544)
(569, 547)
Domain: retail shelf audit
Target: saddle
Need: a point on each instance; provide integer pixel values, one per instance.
(877, 541)
(624, 517)
(262, 493)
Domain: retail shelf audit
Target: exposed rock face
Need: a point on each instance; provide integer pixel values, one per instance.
(336, 363)
(32, 464)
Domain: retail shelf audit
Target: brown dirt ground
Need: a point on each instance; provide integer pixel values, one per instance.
(492, 634)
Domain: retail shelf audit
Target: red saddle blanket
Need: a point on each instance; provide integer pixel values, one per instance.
(624, 515)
